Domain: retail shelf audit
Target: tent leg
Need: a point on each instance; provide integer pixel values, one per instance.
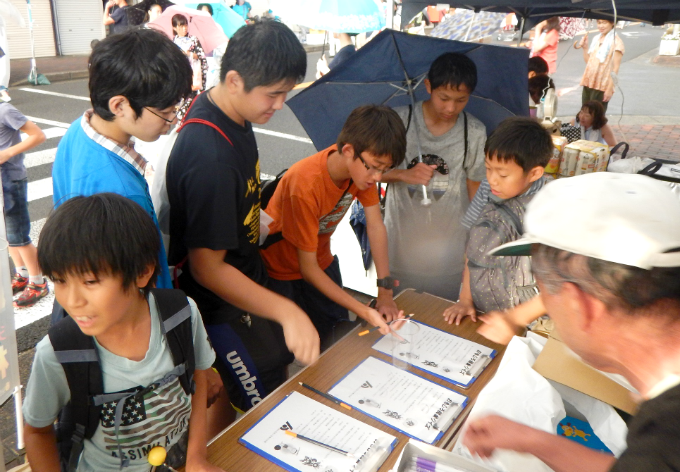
(521, 32)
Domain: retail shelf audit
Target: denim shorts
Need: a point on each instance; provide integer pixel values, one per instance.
(17, 221)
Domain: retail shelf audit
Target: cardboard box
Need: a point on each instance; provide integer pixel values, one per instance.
(419, 449)
(553, 166)
(559, 363)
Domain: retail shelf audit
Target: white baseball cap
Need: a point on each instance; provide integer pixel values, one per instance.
(629, 219)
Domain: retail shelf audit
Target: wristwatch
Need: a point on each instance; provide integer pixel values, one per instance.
(387, 282)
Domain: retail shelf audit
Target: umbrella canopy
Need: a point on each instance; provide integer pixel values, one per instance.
(466, 25)
(201, 25)
(656, 12)
(339, 16)
(137, 13)
(228, 19)
(377, 74)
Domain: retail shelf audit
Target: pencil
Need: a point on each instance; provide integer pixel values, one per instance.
(326, 396)
(365, 332)
(313, 441)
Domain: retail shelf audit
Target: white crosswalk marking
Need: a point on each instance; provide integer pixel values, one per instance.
(43, 121)
(54, 94)
(38, 158)
(39, 189)
(49, 133)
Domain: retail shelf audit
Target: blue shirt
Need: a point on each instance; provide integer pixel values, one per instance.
(85, 167)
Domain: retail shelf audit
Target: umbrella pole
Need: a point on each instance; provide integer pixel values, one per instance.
(472, 21)
(323, 48)
(412, 94)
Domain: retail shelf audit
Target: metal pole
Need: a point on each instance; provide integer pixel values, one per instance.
(521, 32)
(19, 417)
(390, 14)
(472, 21)
(34, 68)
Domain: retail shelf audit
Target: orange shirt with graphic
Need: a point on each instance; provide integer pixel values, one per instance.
(306, 207)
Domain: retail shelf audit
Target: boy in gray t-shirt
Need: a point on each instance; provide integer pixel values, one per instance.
(27, 279)
(427, 243)
(101, 252)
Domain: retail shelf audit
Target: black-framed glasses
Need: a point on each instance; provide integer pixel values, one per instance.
(370, 168)
(176, 111)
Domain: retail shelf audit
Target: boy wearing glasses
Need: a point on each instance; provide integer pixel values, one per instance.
(312, 199)
(136, 81)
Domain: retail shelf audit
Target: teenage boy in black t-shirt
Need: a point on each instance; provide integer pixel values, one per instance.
(214, 191)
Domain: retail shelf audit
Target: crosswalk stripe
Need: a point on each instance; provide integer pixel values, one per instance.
(282, 135)
(55, 94)
(39, 158)
(39, 189)
(50, 133)
(43, 121)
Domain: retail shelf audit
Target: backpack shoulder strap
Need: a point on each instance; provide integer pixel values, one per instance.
(77, 354)
(207, 123)
(510, 217)
(175, 314)
(465, 138)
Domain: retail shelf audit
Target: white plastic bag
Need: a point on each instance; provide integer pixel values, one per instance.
(631, 165)
(521, 394)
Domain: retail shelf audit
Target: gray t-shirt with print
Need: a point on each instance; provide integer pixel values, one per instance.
(11, 120)
(161, 419)
(430, 241)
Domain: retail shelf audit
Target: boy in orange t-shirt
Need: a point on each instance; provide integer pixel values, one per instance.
(312, 199)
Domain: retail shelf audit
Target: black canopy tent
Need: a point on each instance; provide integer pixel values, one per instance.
(530, 12)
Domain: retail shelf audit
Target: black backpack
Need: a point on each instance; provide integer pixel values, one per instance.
(77, 354)
(499, 282)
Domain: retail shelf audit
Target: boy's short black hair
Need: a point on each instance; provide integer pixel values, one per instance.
(453, 69)
(539, 85)
(105, 233)
(263, 54)
(376, 129)
(522, 140)
(538, 65)
(142, 65)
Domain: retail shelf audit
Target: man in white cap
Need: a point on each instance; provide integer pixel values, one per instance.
(606, 253)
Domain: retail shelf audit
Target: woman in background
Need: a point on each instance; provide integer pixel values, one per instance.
(545, 42)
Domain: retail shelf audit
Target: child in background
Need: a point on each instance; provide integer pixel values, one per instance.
(516, 153)
(593, 124)
(101, 252)
(538, 87)
(537, 66)
(192, 49)
(27, 279)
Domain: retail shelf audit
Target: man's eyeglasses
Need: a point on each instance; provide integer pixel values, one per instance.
(370, 168)
(174, 113)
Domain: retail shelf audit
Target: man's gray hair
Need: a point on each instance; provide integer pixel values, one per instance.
(618, 286)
